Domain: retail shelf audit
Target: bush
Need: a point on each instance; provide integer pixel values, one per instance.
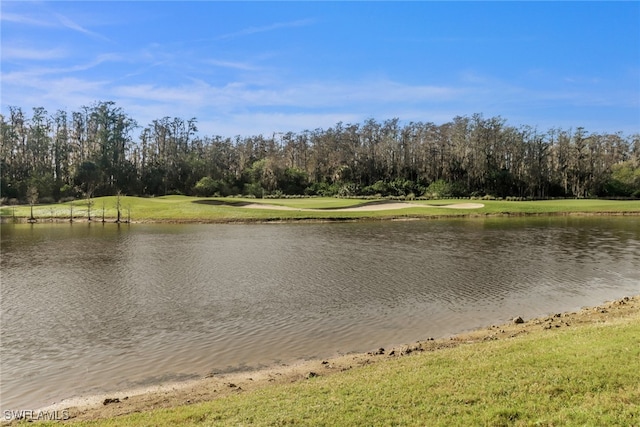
(616, 188)
(402, 187)
(253, 189)
(624, 181)
(293, 181)
(47, 200)
(348, 189)
(206, 187)
(68, 191)
(379, 187)
(442, 189)
(322, 189)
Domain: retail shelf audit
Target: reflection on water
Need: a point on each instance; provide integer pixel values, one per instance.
(90, 308)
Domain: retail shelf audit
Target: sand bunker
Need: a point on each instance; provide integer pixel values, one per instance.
(367, 207)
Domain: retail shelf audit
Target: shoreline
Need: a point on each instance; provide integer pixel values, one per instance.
(189, 210)
(312, 219)
(215, 386)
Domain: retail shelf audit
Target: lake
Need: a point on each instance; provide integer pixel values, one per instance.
(95, 308)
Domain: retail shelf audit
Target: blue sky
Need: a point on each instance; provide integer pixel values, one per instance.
(245, 68)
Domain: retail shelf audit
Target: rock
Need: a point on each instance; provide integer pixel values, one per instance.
(376, 352)
(518, 320)
(311, 375)
(109, 400)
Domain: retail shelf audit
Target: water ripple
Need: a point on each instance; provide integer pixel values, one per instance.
(97, 308)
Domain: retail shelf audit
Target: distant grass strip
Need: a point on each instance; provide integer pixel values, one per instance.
(194, 209)
(586, 375)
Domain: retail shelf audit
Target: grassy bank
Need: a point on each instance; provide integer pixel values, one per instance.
(193, 209)
(580, 368)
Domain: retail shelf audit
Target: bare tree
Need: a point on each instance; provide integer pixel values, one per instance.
(32, 196)
(118, 204)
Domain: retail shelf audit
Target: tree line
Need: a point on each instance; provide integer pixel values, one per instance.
(101, 150)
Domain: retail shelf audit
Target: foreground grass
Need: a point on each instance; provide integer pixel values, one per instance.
(583, 375)
(183, 208)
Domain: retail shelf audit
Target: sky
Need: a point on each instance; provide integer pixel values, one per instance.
(249, 68)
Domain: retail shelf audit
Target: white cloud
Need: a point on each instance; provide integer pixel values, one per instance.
(14, 52)
(269, 104)
(68, 23)
(231, 64)
(266, 28)
(247, 124)
(25, 20)
(146, 92)
(240, 96)
(44, 19)
(25, 76)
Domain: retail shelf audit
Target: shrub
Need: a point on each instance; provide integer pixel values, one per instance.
(322, 189)
(253, 189)
(293, 181)
(68, 191)
(402, 187)
(440, 189)
(348, 189)
(46, 200)
(206, 187)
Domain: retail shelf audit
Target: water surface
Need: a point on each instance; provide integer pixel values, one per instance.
(94, 308)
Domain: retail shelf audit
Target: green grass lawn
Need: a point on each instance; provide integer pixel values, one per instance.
(587, 375)
(183, 208)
